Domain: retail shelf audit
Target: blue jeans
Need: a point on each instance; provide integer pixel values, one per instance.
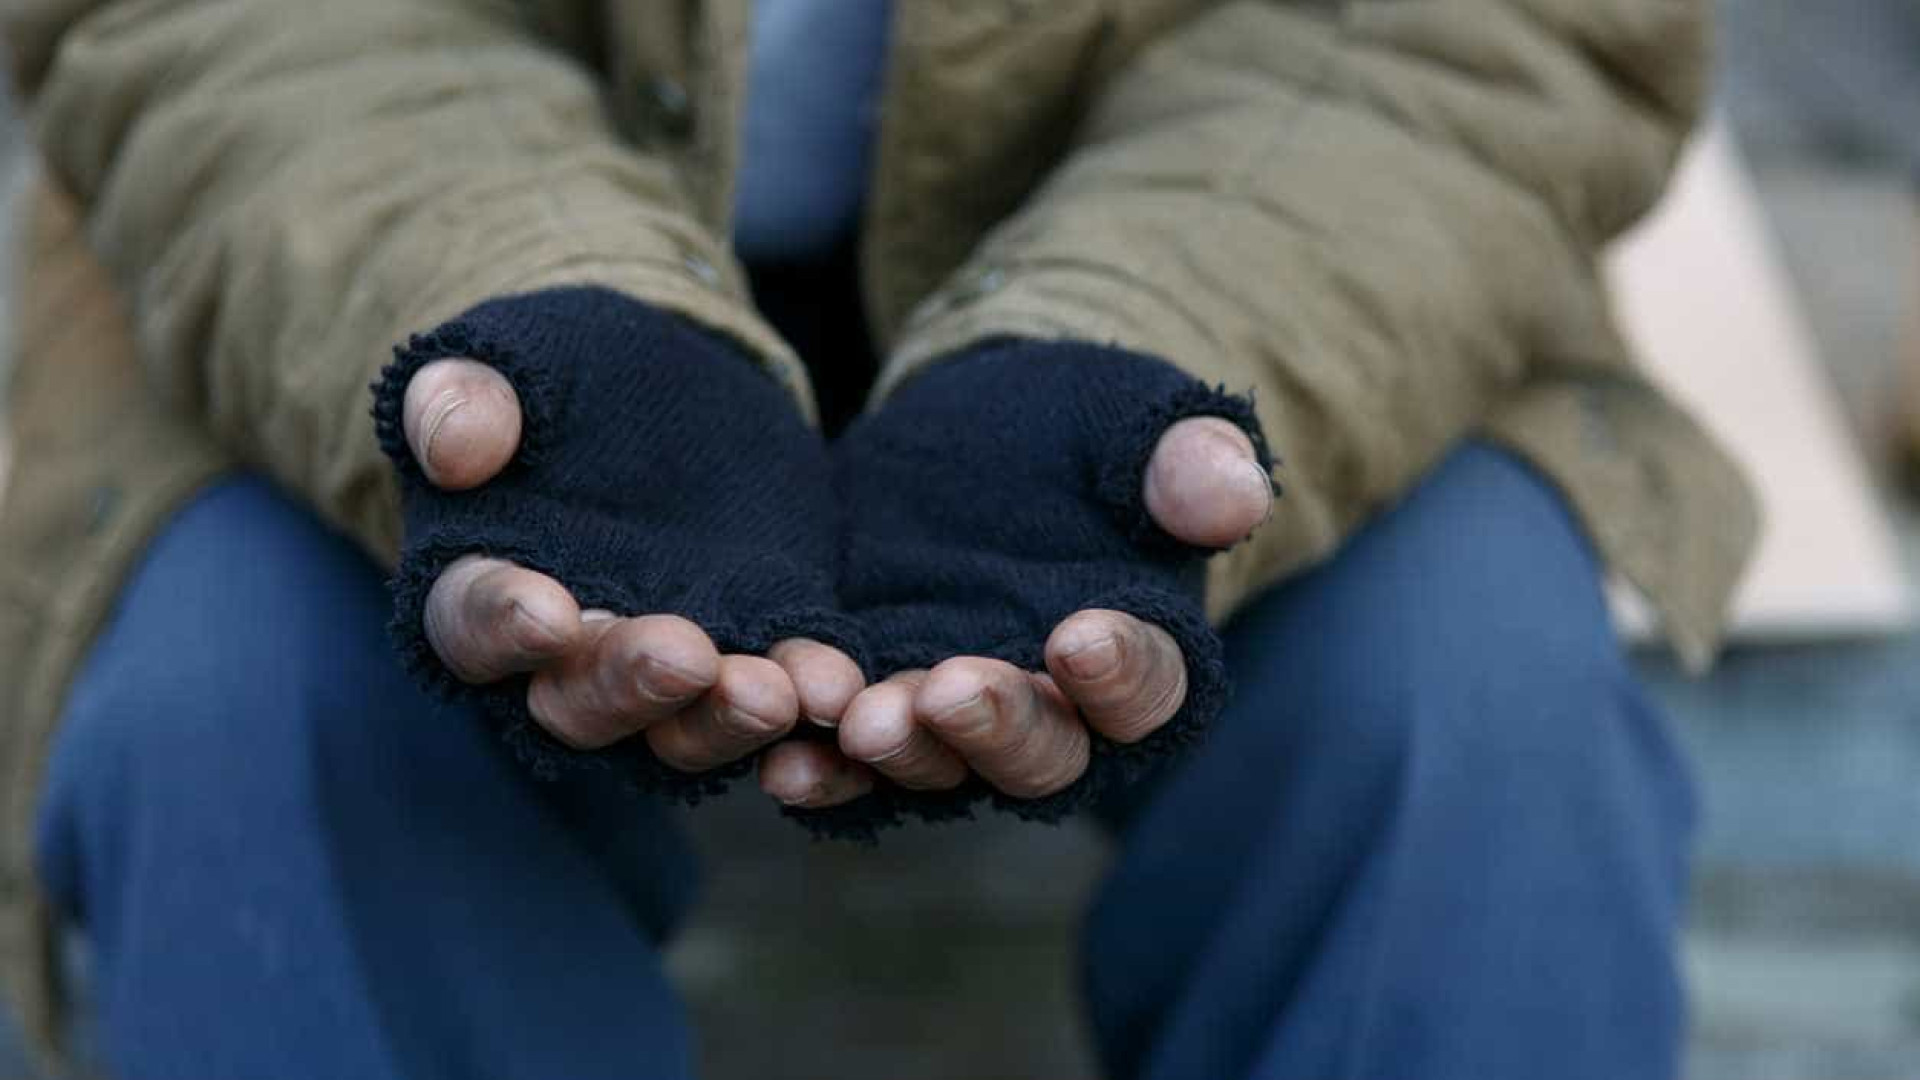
(1440, 833)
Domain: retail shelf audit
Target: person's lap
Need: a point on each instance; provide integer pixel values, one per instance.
(281, 852)
(1440, 832)
(1438, 824)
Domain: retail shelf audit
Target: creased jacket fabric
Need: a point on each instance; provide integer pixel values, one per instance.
(1382, 218)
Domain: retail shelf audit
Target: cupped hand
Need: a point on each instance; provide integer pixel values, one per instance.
(1027, 733)
(597, 677)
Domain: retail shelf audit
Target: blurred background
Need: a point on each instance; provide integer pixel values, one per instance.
(949, 953)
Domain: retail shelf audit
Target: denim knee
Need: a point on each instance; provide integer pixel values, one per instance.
(1467, 624)
(246, 646)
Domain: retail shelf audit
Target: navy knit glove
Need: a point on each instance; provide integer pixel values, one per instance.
(997, 493)
(660, 471)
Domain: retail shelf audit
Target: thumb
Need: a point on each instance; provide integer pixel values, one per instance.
(1204, 484)
(462, 422)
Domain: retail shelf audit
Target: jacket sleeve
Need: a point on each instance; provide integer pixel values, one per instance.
(1378, 219)
(286, 188)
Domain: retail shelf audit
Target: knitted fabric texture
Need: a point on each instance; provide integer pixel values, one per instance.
(994, 495)
(660, 471)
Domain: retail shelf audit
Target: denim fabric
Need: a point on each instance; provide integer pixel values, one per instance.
(1440, 833)
(288, 861)
(813, 85)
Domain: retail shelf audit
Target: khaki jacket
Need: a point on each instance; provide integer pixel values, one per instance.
(1382, 218)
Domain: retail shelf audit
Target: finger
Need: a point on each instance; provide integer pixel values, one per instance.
(1024, 741)
(752, 703)
(825, 678)
(487, 619)
(1204, 484)
(812, 774)
(462, 421)
(630, 674)
(1126, 676)
(878, 729)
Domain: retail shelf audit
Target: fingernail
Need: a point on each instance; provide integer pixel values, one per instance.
(822, 721)
(597, 615)
(443, 405)
(1095, 659)
(653, 672)
(888, 756)
(746, 723)
(1258, 479)
(533, 632)
(654, 669)
(967, 717)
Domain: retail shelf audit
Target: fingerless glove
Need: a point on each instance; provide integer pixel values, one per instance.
(660, 471)
(997, 493)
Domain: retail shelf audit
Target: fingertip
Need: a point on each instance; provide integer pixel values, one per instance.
(1229, 434)
(672, 654)
(957, 683)
(811, 775)
(1088, 646)
(543, 620)
(877, 722)
(1138, 691)
(787, 773)
(1204, 483)
(757, 693)
(562, 716)
(880, 732)
(486, 618)
(825, 678)
(462, 421)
